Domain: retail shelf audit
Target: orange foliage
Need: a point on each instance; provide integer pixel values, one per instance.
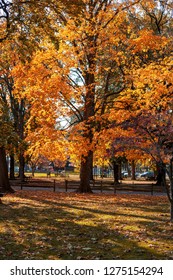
(106, 71)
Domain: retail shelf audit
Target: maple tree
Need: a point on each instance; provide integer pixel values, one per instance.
(155, 96)
(79, 77)
(151, 128)
(10, 17)
(95, 75)
(140, 120)
(145, 108)
(17, 109)
(21, 25)
(8, 133)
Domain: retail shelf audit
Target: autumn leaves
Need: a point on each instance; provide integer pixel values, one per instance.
(107, 83)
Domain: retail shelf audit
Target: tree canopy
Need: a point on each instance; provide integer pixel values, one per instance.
(91, 75)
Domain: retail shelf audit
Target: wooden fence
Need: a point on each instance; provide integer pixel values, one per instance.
(38, 184)
(109, 186)
(101, 186)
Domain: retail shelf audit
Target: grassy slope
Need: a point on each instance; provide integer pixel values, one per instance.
(46, 225)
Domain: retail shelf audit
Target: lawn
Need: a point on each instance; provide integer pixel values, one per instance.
(60, 226)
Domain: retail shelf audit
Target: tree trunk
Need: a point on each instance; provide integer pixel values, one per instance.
(33, 171)
(116, 172)
(12, 167)
(21, 135)
(4, 181)
(133, 170)
(21, 167)
(171, 211)
(119, 170)
(85, 173)
(160, 175)
(89, 112)
(91, 167)
(171, 189)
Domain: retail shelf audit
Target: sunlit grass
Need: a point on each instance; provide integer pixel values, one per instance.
(43, 175)
(46, 225)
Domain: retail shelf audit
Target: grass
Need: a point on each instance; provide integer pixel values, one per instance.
(44, 174)
(45, 225)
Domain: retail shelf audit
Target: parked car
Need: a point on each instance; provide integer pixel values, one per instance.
(124, 174)
(148, 175)
(137, 174)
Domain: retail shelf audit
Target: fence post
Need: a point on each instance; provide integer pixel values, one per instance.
(92, 183)
(152, 189)
(21, 185)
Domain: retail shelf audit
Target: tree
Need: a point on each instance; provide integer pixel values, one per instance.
(17, 108)
(84, 79)
(20, 27)
(8, 19)
(145, 108)
(7, 132)
(148, 126)
(80, 82)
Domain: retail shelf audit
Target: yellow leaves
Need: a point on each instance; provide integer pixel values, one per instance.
(3, 30)
(49, 143)
(107, 69)
(147, 40)
(107, 52)
(153, 82)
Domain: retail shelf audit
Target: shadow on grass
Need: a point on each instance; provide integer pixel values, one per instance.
(136, 203)
(39, 228)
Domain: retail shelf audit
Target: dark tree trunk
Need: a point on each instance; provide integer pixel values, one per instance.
(86, 171)
(12, 167)
(171, 190)
(133, 170)
(160, 179)
(91, 168)
(116, 172)
(88, 113)
(33, 171)
(119, 171)
(21, 134)
(21, 167)
(171, 211)
(85, 174)
(4, 181)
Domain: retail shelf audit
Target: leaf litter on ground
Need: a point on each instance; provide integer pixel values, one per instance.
(44, 225)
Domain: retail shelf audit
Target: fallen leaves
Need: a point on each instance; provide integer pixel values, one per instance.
(47, 225)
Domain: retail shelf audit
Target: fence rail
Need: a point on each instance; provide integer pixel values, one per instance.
(96, 186)
(35, 184)
(106, 186)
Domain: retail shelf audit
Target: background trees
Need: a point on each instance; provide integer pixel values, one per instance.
(145, 108)
(22, 27)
